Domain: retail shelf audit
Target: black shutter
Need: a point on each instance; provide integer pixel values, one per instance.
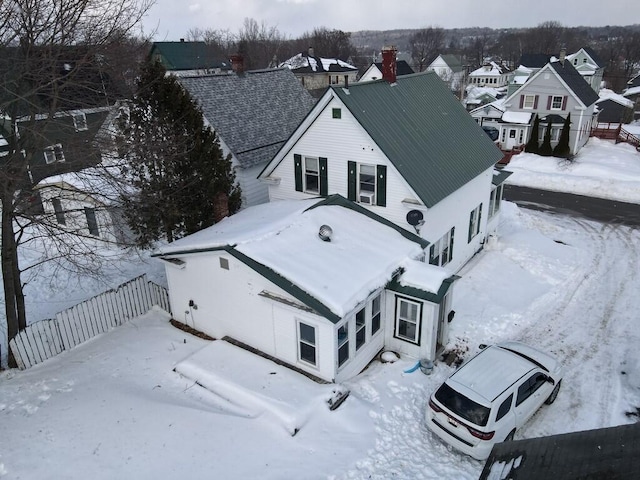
(470, 226)
(297, 165)
(453, 231)
(352, 182)
(324, 187)
(381, 186)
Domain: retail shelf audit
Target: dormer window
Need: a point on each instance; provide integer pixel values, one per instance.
(53, 154)
(80, 122)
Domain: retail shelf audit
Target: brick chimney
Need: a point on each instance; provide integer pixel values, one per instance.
(237, 63)
(220, 206)
(389, 63)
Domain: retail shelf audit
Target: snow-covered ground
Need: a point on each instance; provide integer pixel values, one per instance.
(114, 407)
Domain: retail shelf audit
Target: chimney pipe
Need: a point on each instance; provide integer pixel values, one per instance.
(389, 64)
(237, 63)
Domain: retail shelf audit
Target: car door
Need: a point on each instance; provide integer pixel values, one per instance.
(531, 393)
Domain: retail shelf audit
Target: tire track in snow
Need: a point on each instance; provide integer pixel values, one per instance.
(612, 279)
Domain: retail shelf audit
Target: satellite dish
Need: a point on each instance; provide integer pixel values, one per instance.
(414, 217)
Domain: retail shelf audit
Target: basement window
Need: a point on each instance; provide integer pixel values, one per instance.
(224, 263)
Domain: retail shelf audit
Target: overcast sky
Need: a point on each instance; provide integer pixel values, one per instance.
(174, 18)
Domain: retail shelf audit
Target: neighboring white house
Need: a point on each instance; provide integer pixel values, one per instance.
(253, 113)
(374, 72)
(84, 203)
(449, 69)
(322, 285)
(405, 149)
(490, 75)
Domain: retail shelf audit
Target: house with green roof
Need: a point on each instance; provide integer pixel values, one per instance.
(189, 58)
(404, 148)
(449, 68)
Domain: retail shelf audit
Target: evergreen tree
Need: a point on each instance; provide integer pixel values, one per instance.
(545, 149)
(532, 145)
(562, 150)
(173, 162)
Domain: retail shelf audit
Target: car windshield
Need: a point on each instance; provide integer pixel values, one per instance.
(462, 406)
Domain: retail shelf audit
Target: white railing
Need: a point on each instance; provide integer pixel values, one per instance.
(71, 327)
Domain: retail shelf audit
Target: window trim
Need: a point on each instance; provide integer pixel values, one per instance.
(398, 320)
(342, 344)
(336, 113)
(307, 173)
(376, 317)
(525, 102)
(361, 328)
(554, 99)
(475, 220)
(313, 345)
(54, 154)
(371, 194)
(441, 251)
(80, 122)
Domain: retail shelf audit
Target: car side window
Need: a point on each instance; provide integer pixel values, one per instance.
(533, 383)
(504, 407)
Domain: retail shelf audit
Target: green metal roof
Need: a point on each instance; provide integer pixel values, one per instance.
(188, 56)
(499, 177)
(424, 131)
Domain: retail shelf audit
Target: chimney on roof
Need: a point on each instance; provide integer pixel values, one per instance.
(220, 206)
(310, 53)
(389, 63)
(182, 40)
(563, 54)
(237, 63)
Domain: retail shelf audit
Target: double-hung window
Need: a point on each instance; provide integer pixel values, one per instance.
(556, 102)
(343, 344)
(311, 175)
(375, 314)
(53, 154)
(57, 208)
(80, 122)
(529, 102)
(407, 320)
(494, 202)
(441, 251)
(361, 328)
(474, 222)
(367, 184)
(307, 343)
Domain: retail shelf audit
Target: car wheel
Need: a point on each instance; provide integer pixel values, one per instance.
(554, 394)
(510, 436)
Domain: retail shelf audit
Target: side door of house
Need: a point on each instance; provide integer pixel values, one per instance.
(442, 327)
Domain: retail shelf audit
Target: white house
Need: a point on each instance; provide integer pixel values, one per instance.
(587, 62)
(490, 75)
(321, 285)
(449, 68)
(405, 149)
(253, 113)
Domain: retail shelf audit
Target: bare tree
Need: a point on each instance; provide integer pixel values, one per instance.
(258, 43)
(425, 46)
(52, 61)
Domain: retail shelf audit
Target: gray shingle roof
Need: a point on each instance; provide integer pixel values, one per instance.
(575, 82)
(254, 113)
(424, 131)
(452, 61)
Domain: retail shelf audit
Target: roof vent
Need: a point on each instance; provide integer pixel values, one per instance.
(325, 233)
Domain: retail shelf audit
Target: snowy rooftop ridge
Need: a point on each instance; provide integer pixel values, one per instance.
(363, 254)
(606, 94)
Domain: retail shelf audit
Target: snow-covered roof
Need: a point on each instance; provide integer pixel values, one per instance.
(491, 69)
(363, 254)
(316, 64)
(606, 94)
(631, 91)
(517, 117)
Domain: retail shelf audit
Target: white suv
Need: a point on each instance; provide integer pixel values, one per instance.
(491, 395)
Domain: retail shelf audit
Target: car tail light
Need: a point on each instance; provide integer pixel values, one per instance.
(479, 434)
(434, 407)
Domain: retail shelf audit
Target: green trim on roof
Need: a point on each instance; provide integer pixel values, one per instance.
(337, 199)
(499, 176)
(394, 286)
(424, 131)
(289, 287)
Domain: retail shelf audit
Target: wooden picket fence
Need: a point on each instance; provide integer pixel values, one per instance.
(71, 327)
